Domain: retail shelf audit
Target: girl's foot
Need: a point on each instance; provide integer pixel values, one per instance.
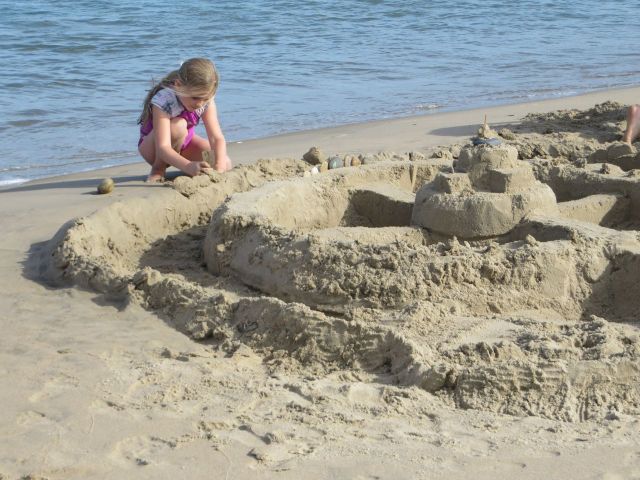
(156, 175)
(154, 178)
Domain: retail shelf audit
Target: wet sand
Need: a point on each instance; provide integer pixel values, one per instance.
(96, 384)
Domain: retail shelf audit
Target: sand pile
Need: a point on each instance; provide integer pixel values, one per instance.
(495, 279)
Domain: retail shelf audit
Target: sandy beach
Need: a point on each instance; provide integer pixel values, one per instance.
(115, 370)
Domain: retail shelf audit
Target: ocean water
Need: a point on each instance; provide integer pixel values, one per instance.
(74, 73)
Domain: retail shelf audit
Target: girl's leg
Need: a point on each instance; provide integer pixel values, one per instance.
(633, 124)
(148, 148)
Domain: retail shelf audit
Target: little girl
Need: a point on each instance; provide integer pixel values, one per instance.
(170, 113)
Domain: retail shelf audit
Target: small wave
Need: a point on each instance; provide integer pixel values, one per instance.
(15, 168)
(421, 107)
(551, 93)
(30, 112)
(23, 123)
(12, 181)
(81, 161)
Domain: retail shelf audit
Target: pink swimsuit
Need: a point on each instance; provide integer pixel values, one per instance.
(192, 119)
(168, 102)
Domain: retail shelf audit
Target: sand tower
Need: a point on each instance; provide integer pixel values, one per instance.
(490, 193)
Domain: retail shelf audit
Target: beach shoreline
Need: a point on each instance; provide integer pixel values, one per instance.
(97, 388)
(410, 132)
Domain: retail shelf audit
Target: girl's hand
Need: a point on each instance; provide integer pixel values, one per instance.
(224, 164)
(195, 168)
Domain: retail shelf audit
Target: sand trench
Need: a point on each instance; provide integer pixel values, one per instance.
(498, 278)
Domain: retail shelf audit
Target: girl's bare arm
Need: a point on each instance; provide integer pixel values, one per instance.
(214, 133)
(164, 149)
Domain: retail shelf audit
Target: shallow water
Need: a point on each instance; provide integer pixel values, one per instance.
(75, 72)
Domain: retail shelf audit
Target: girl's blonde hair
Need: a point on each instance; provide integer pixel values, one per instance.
(197, 77)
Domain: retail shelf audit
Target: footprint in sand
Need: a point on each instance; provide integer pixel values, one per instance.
(55, 387)
(140, 450)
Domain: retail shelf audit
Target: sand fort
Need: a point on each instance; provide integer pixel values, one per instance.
(498, 277)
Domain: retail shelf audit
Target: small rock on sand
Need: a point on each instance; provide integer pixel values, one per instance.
(314, 156)
(106, 186)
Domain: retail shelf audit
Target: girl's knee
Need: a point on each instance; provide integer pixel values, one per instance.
(178, 131)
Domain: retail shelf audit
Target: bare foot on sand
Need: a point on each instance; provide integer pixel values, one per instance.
(156, 174)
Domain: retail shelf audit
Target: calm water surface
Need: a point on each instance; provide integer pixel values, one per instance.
(74, 73)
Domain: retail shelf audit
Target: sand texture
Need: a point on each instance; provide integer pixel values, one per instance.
(439, 311)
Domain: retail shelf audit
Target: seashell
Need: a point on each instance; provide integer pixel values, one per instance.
(315, 171)
(324, 166)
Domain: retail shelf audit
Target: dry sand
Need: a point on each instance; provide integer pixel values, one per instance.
(312, 330)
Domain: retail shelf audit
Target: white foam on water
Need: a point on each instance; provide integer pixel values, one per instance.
(12, 181)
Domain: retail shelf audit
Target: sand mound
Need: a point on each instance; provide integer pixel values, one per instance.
(491, 198)
(503, 286)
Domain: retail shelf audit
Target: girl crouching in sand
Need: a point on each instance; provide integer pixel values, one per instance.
(170, 113)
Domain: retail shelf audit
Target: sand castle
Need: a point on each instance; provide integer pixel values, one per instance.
(492, 282)
(494, 192)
